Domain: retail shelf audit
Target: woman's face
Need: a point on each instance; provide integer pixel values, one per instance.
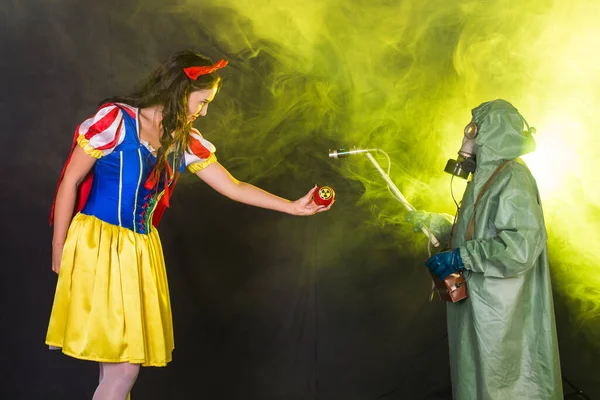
(198, 102)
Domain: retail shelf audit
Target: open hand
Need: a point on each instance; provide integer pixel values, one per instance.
(306, 206)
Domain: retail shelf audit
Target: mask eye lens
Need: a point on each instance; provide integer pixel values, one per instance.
(471, 130)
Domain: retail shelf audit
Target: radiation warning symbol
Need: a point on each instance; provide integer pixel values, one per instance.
(325, 193)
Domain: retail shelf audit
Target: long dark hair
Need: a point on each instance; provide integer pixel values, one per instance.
(170, 87)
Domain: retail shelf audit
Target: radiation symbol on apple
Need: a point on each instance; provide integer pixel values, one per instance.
(325, 193)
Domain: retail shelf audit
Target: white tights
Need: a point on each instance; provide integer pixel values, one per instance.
(116, 381)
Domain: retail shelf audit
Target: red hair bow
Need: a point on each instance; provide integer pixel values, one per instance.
(195, 72)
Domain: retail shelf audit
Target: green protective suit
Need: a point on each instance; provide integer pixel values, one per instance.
(502, 338)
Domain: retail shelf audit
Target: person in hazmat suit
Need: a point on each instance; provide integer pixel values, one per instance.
(502, 338)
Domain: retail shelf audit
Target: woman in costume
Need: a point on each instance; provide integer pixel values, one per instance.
(112, 300)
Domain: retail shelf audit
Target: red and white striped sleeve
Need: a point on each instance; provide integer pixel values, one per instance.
(101, 133)
(200, 154)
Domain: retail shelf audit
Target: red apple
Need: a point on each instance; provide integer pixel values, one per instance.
(323, 195)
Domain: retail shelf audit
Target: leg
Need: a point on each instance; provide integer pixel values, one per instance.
(117, 381)
(101, 375)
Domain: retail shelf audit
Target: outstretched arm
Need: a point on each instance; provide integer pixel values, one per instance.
(217, 177)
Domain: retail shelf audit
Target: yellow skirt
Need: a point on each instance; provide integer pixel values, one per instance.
(112, 298)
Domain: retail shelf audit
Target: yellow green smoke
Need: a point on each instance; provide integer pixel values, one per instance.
(402, 76)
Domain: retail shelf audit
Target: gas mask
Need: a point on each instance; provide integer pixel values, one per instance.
(465, 164)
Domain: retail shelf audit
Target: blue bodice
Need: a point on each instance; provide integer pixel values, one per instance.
(118, 195)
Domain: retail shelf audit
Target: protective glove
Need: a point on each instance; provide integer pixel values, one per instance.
(439, 225)
(445, 263)
(418, 218)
